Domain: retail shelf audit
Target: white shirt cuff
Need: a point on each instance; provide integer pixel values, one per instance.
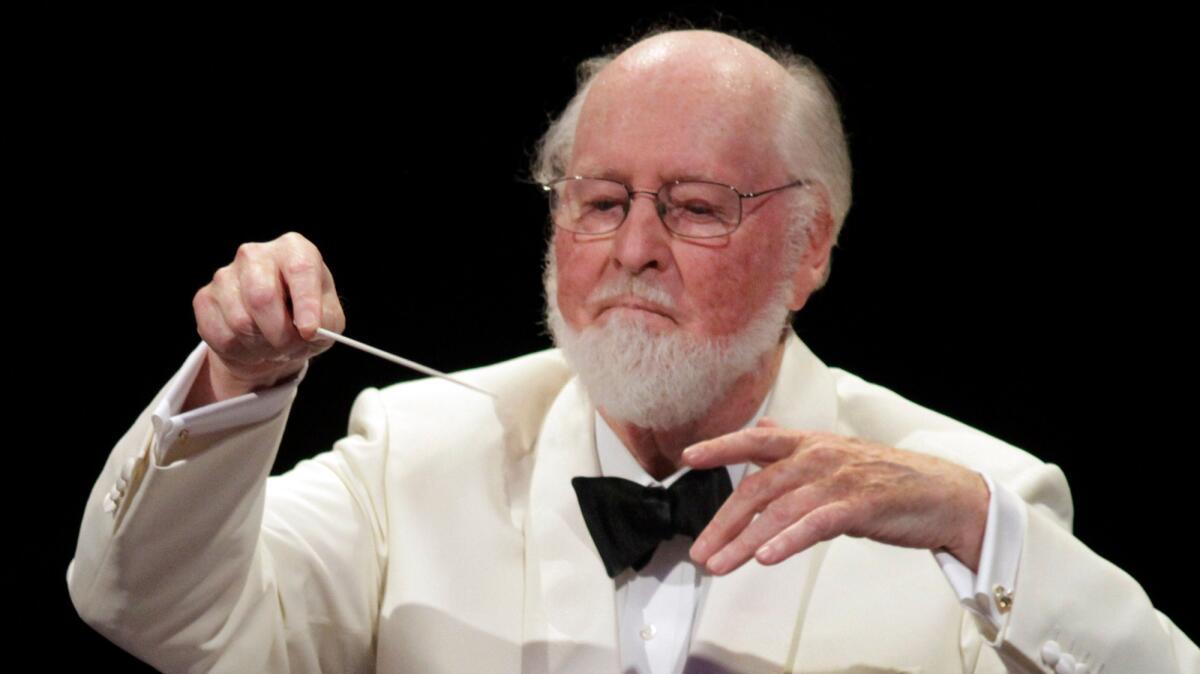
(1003, 538)
(245, 409)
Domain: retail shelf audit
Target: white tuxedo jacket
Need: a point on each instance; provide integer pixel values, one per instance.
(442, 535)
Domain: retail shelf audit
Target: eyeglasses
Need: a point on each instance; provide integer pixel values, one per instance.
(696, 209)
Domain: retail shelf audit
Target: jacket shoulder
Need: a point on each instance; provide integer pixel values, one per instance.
(428, 416)
(536, 370)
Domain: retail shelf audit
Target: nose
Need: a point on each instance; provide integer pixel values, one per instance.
(643, 241)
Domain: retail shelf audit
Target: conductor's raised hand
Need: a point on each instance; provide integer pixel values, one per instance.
(816, 486)
(260, 314)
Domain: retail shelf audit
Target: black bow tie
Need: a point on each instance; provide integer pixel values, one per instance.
(628, 521)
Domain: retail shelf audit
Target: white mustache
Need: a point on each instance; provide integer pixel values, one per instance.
(632, 286)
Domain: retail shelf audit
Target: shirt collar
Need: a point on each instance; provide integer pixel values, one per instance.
(617, 461)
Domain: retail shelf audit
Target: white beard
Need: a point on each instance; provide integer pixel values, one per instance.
(659, 380)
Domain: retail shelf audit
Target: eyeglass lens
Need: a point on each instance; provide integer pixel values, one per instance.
(596, 206)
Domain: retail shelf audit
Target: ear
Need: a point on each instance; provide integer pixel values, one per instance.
(814, 263)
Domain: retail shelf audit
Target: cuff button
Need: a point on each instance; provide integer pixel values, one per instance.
(1003, 598)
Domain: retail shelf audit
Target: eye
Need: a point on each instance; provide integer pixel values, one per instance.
(696, 210)
(604, 204)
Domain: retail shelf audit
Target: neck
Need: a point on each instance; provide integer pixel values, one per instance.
(659, 450)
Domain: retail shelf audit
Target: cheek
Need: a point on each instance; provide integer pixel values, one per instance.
(732, 285)
(574, 271)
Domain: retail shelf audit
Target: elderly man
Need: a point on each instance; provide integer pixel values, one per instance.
(697, 186)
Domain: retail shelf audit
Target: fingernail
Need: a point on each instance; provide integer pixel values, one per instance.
(305, 321)
(766, 553)
(691, 453)
(718, 562)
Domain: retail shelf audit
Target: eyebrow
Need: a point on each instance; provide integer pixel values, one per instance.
(671, 176)
(608, 175)
(694, 176)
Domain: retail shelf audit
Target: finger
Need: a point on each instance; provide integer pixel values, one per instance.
(822, 524)
(767, 423)
(752, 496)
(758, 444)
(303, 277)
(333, 316)
(331, 320)
(210, 322)
(263, 297)
(228, 295)
(780, 514)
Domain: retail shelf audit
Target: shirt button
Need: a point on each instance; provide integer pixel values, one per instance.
(647, 632)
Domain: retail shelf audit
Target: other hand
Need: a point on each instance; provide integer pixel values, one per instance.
(815, 486)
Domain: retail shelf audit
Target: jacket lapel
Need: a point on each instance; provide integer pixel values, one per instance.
(570, 616)
(751, 619)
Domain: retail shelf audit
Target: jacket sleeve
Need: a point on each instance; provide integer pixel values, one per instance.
(206, 564)
(1072, 610)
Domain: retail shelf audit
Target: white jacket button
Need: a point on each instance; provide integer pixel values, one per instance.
(127, 468)
(109, 504)
(1050, 653)
(1066, 664)
(1081, 668)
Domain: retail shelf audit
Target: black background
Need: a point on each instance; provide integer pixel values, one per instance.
(1013, 258)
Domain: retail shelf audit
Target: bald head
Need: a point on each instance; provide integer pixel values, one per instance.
(696, 103)
(724, 63)
(710, 85)
(780, 103)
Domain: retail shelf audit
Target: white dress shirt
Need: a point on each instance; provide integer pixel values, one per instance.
(656, 607)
